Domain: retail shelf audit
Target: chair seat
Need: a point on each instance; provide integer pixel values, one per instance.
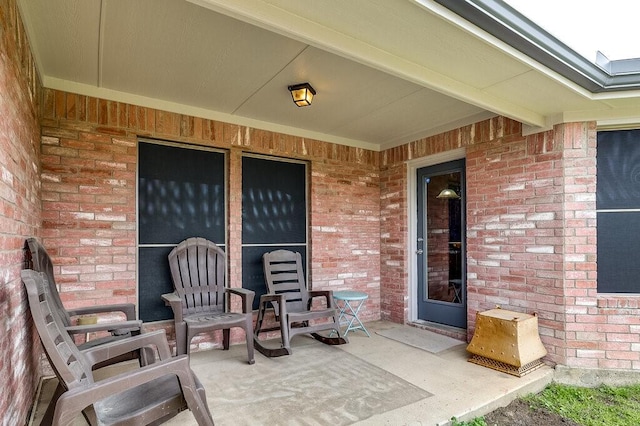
(101, 341)
(204, 320)
(310, 315)
(162, 392)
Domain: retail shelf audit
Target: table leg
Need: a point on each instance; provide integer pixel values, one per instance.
(348, 310)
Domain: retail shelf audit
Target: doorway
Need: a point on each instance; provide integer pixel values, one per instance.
(440, 244)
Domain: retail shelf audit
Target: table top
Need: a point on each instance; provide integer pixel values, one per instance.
(350, 295)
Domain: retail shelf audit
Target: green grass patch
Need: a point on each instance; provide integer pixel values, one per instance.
(478, 421)
(603, 405)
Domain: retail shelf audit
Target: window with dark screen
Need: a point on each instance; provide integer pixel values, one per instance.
(618, 211)
(274, 214)
(181, 194)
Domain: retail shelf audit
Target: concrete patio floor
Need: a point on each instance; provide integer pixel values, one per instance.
(448, 385)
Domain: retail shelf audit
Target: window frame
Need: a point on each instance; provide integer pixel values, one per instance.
(165, 245)
(615, 267)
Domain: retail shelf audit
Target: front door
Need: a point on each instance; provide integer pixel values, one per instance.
(440, 245)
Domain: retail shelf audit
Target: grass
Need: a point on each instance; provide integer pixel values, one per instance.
(478, 421)
(603, 405)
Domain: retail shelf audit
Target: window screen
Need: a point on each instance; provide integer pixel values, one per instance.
(618, 211)
(274, 214)
(181, 194)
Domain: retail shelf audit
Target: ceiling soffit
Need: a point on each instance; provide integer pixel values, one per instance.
(387, 72)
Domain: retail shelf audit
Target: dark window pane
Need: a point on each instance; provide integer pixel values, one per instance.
(274, 215)
(274, 207)
(180, 194)
(618, 163)
(618, 248)
(154, 280)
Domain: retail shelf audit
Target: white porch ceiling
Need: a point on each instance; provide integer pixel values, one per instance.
(386, 72)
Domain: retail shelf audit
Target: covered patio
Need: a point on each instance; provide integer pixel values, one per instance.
(371, 380)
(92, 90)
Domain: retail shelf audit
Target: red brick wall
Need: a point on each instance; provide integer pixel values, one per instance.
(394, 201)
(514, 227)
(602, 331)
(515, 244)
(345, 231)
(89, 199)
(19, 214)
(531, 238)
(515, 223)
(394, 266)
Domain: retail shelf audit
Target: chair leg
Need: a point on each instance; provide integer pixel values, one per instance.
(257, 343)
(225, 338)
(187, 343)
(147, 356)
(285, 326)
(196, 400)
(182, 343)
(248, 332)
(329, 340)
(203, 397)
(47, 419)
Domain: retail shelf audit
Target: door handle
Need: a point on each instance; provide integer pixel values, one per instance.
(419, 251)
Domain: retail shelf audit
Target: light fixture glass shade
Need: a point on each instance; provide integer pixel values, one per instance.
(302, 94)
(448, 193)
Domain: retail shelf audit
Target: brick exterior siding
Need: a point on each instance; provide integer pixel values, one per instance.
(89, 154)
(531, 238)
(530, 216)
(19, 214)
(514, 222)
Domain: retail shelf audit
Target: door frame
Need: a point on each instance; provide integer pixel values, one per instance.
(412, 218)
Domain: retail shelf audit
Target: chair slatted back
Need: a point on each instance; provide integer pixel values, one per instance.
(284, 275)
(66, 360)
(198, 271)
(41, 262)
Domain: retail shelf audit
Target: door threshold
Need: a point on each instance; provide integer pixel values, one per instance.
(446, 330)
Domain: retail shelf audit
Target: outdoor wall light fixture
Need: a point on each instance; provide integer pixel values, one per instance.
(448, 193)
(302, 94)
